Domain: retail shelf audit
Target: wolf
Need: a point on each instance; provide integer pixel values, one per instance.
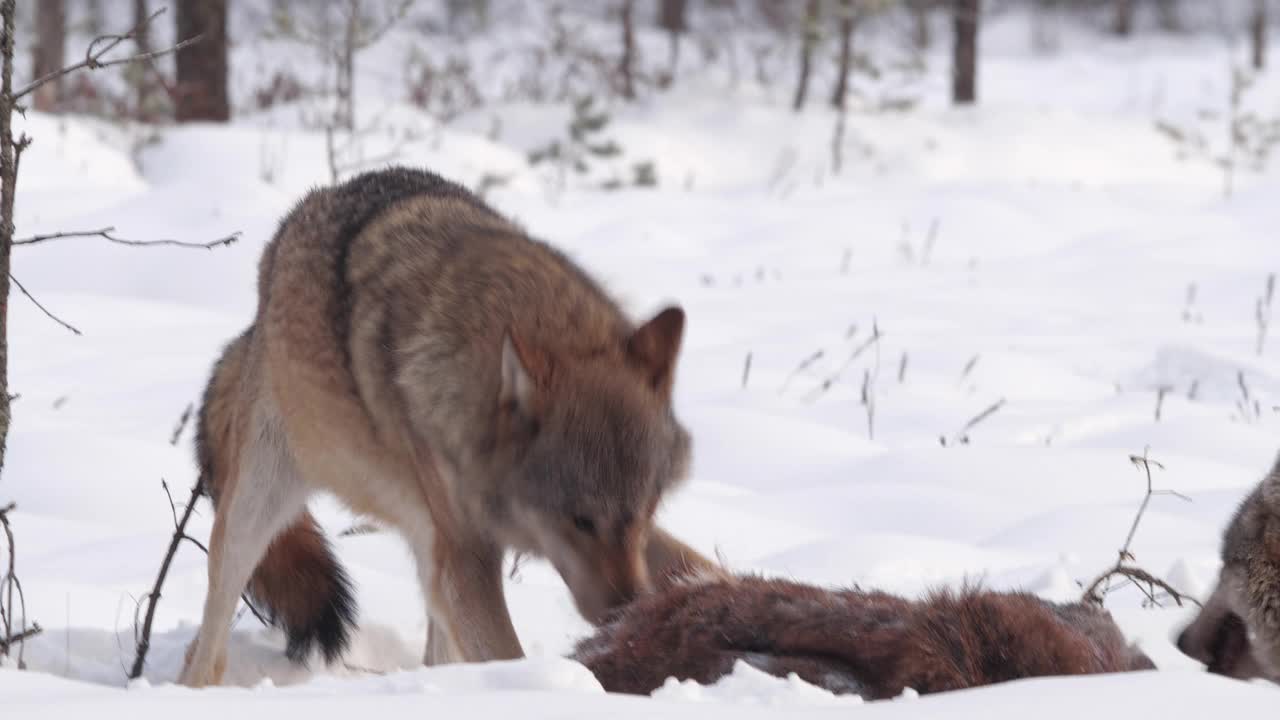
(865, 643)
(1237, 631)
(427, 362)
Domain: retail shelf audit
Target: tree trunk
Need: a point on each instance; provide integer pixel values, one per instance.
(96, 20)
(847, 22)
(1167, 15)
(345, 85)
(201, 92)
(626, 66)
(8, 186)
(1122, 24)
(921, 36)
(808, 41)
(964, 72)
(143, 75)
(1258, 34)
(47, 55)
(672, 17)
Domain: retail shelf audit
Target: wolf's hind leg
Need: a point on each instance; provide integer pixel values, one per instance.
(266, 496)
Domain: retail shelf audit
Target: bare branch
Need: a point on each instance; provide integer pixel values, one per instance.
(25, 635)
(144, 642)
(804, 365)
(152, 598)
(105, 233)
(1092, 594)
(968, 368)
(44, 309)
(1098, 589)
(11, 584)
(962, 436)
(182, 424)
(830, 381)
(173, 507)
(99, 48)
(991, 410)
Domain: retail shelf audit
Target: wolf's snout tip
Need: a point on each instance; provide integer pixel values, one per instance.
(1182, 642)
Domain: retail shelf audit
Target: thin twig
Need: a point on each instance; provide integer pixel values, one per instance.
(173, 507)
(11, 584)
(1092, 594)
(105, 233)
(962, 436)
(869, 402)
(1145, 462)
(804, 365)
(968, 368)
(182, 424)
(93, 55)
(746, 371)
(152, 598)
(25, 635)
(44, 309)
(1098, 589)
(831, 380)
(1161, 391)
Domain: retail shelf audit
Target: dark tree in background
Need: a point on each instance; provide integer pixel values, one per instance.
(95, 19)
(51, 40)
(143, 76)
(921, 34)
(808, 42)
(1167, 15)
(672, 17)
(848, 20)
(1122, 23)
(1258, 34)
(201, 90)
(8, 190)
(626, 66)
(964, 71)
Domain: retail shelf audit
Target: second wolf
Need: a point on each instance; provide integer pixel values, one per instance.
(420, 357)
(1237, 632)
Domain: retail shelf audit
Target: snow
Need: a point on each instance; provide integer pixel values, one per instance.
(1067, 236)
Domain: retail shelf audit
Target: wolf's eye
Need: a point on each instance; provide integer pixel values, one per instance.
(584, 524)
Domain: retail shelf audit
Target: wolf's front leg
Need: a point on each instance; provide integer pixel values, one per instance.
(469, 620)
(671, 561)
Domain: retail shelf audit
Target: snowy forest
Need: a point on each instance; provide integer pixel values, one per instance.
(951, 317)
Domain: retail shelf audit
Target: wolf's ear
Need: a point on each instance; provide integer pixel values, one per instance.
(654, 347)
(518, 388)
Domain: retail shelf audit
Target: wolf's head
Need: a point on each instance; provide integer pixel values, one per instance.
(584, 450)
(1237, 632)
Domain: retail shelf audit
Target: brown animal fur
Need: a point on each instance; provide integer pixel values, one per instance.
(424, 360)
(1237, 632)
(298, 582)
(850, 641)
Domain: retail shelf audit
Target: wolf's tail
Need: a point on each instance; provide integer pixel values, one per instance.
(299, 584)
(302, 588)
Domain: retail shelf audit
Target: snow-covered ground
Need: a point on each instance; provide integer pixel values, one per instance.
(1037, 250)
